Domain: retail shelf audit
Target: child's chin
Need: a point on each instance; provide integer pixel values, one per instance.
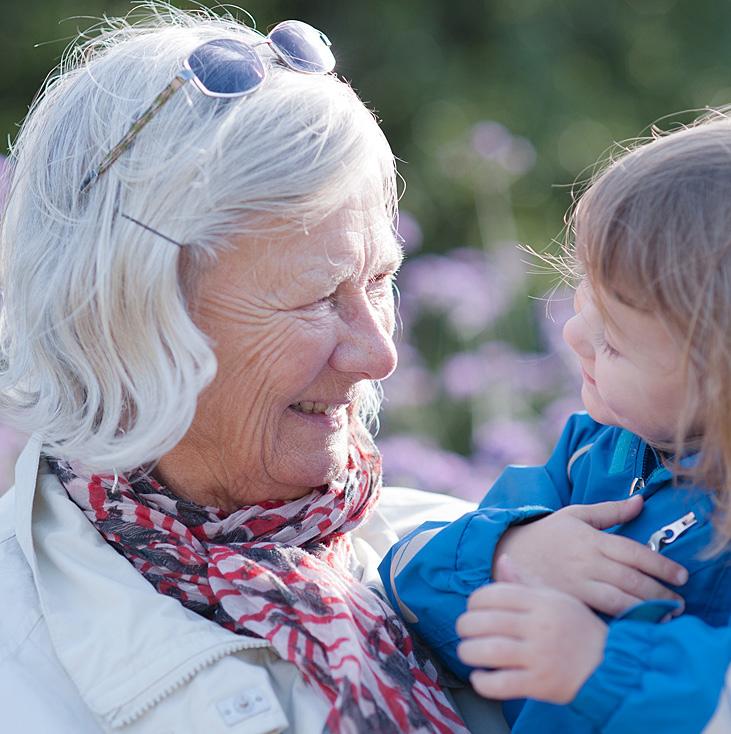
(599, 413)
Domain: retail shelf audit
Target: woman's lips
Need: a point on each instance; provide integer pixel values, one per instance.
(332, 418)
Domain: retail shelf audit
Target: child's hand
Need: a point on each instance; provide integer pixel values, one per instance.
(541, 643)
(569, 552)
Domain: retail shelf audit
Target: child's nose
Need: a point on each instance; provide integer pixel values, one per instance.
(576, 336)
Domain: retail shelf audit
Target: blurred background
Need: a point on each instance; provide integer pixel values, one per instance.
(495, 109)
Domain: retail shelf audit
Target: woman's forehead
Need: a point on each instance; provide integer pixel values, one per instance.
(352, 242)
(356, 235)
(346, 248)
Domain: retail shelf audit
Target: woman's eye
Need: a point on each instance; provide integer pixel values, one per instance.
(380, 281)
(329, 300)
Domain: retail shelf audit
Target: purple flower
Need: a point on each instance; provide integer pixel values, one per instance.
(419, 462)
(492, 141)
(534, 372)
(504, 442)
(465, 375)
(556, 413)
(519, 158)
(498, 366)
(412, 384)
(410, 461)
(465, 285)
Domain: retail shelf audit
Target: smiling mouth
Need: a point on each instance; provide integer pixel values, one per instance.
(588, 377)
(309, 408)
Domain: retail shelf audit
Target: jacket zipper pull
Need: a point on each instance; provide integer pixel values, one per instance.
(638, 483)
(670, 533)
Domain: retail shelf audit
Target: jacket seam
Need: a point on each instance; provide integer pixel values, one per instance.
(10, 650)
(575, 456)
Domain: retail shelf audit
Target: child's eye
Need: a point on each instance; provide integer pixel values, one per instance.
(608, 349)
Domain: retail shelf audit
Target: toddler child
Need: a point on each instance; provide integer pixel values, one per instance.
(652, 334)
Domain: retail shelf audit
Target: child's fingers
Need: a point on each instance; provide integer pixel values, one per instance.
(607, 598)
(603, 515)
(498, 595)
(635, 583)
(492, 652)
(492, 622)
(501, 684)
(634, 554)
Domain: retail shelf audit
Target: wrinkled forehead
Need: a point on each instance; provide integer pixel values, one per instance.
(361, 224)
(352, 243)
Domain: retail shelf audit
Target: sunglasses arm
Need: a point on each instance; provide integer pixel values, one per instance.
(182, 78)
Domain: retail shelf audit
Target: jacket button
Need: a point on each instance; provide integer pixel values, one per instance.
(243, 705)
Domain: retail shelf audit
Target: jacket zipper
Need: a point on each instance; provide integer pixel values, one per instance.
(213, 656)
(671, 532)
(646, 460)
(638, 483)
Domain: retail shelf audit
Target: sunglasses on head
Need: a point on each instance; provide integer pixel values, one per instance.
(227, 68)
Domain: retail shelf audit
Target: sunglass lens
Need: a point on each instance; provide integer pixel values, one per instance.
(226, 67)
(303, 47)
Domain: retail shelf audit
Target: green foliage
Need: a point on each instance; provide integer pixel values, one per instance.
(562, 78)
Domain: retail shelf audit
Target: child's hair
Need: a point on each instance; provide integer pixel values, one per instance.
(653, 229)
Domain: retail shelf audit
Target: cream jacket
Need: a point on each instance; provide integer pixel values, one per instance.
(88, 646)
(721, 721)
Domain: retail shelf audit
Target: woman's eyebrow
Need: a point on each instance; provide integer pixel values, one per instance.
(393, 263)
(393, 254)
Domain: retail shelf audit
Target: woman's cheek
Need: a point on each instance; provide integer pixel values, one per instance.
(387, 311)
(314, 340)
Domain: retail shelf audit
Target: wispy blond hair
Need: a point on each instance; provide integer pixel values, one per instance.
(653, 229)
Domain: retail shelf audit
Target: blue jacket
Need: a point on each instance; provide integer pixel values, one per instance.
(654, 677)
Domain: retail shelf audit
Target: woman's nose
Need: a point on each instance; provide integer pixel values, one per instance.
(366, 347)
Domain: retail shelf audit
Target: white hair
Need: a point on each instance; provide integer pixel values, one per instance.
(97, 349)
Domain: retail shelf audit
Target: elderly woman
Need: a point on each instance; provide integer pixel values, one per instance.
(197, 265)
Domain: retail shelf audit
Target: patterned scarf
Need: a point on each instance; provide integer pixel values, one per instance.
(281, 571)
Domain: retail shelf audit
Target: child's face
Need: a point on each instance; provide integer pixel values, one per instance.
(631, 366)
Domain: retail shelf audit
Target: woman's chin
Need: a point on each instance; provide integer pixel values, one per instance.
(311, 466)
(329, 466)
(310, 453)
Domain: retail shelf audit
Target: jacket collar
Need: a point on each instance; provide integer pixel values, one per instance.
(116, 637)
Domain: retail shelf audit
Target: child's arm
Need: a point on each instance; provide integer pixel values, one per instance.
(631, 677)
(431, 572)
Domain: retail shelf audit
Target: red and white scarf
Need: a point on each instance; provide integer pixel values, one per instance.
(281, 571)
